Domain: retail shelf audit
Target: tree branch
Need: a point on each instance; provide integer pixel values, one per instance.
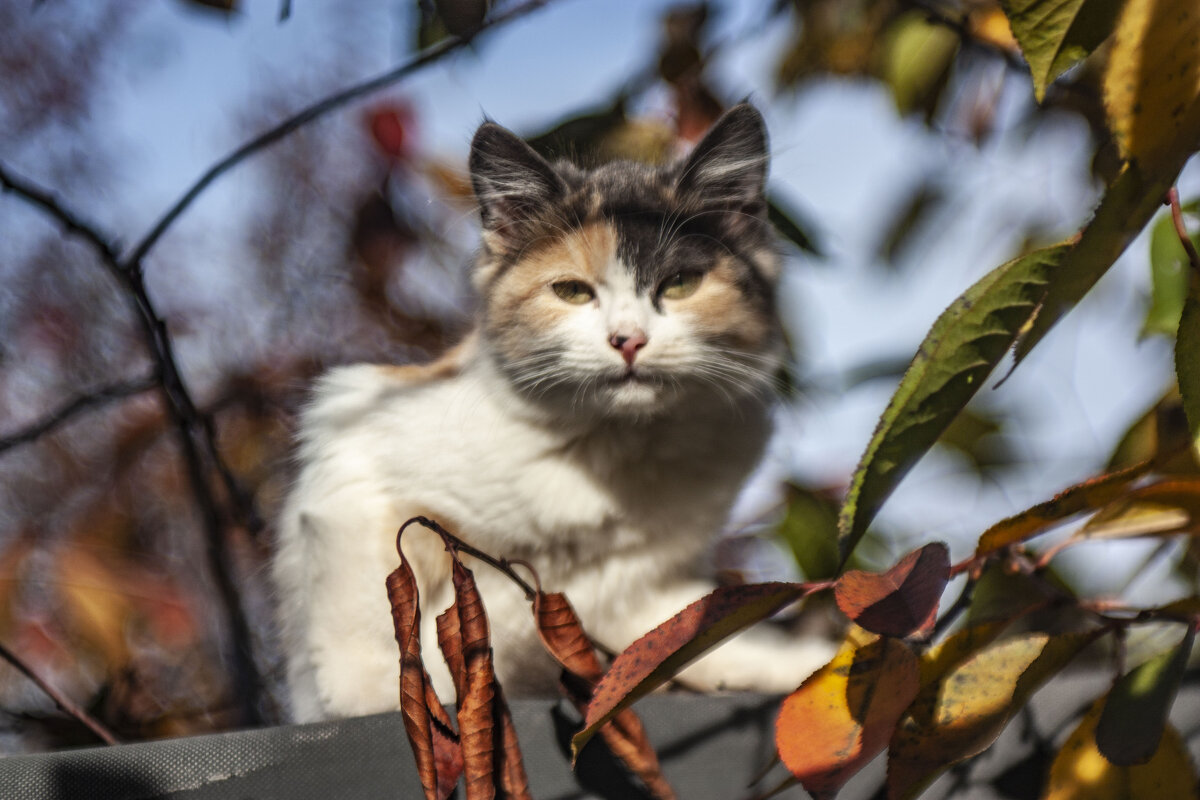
(1181, 229)
(60, 700)
(102, 396)
(319, 109)
(193, 431)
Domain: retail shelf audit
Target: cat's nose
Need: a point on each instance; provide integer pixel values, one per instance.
(628, 345)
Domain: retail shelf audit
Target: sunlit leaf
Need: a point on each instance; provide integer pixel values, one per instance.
(1127, 520)
(1135, 712)
(917, 54)
(1152, 83)
(1056, 34)
(1081, 772)
(1089, 495)
(963, 713)
(1130, 202)
(900, 601)
(1169, 278)
(1150, 90)
(652, 660)
(1187, 359)
(957, 648)
(843, 715)
(963, 346)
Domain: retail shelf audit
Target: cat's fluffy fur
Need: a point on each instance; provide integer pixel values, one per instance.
(599, 424)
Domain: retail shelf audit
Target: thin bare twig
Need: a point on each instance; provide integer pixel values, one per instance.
(457, 545)
(85, 402)
(60, 700)
(319, 109)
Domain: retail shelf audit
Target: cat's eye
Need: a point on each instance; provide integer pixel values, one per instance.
(680, 285)
(575, 292)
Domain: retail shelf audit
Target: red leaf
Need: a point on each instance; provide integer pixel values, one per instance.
(900, 601)
(565, 640)
(653, 659)
(390, 128)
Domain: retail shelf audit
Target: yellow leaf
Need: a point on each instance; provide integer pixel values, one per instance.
(844, 714)
(990, 25)
(961, 714)
(1081, 772)
(1152, 84)
(957, 648)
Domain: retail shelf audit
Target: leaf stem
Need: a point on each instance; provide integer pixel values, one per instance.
(1181, 229)
(455, 545)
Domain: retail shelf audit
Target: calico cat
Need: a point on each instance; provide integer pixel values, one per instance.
(598, 423)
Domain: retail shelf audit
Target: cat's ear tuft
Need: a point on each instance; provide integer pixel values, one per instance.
(729, 165)
(512, 182)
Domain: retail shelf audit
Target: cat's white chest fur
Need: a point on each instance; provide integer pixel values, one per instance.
(598, 425)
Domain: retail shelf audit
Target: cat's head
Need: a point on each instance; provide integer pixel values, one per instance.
(627, 289)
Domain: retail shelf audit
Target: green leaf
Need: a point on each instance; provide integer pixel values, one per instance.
(1057, 34)
(1127, 206)
(1187, 359)
(1135, 712)
(1169, 277)
(916, 61)
(960, 350)
(810, 530)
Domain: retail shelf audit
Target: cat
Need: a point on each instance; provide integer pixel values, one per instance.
(599, 424)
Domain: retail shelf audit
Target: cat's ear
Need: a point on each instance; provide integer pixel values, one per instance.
(512, 183)
(729, 165)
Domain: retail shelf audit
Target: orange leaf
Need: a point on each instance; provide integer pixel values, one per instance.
(652, 660)
(845, 713)
(900, 601)
(1086, 496)
(565, 640)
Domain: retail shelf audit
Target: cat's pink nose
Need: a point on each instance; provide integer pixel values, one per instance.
(628, 345)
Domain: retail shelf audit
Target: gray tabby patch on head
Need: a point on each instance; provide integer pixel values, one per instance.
(717, 192)
(629, 288)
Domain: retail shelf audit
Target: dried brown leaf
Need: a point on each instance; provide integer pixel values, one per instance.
(565, 640)
(435, 749)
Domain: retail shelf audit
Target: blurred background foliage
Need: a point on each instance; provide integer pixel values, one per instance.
(359, 233)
